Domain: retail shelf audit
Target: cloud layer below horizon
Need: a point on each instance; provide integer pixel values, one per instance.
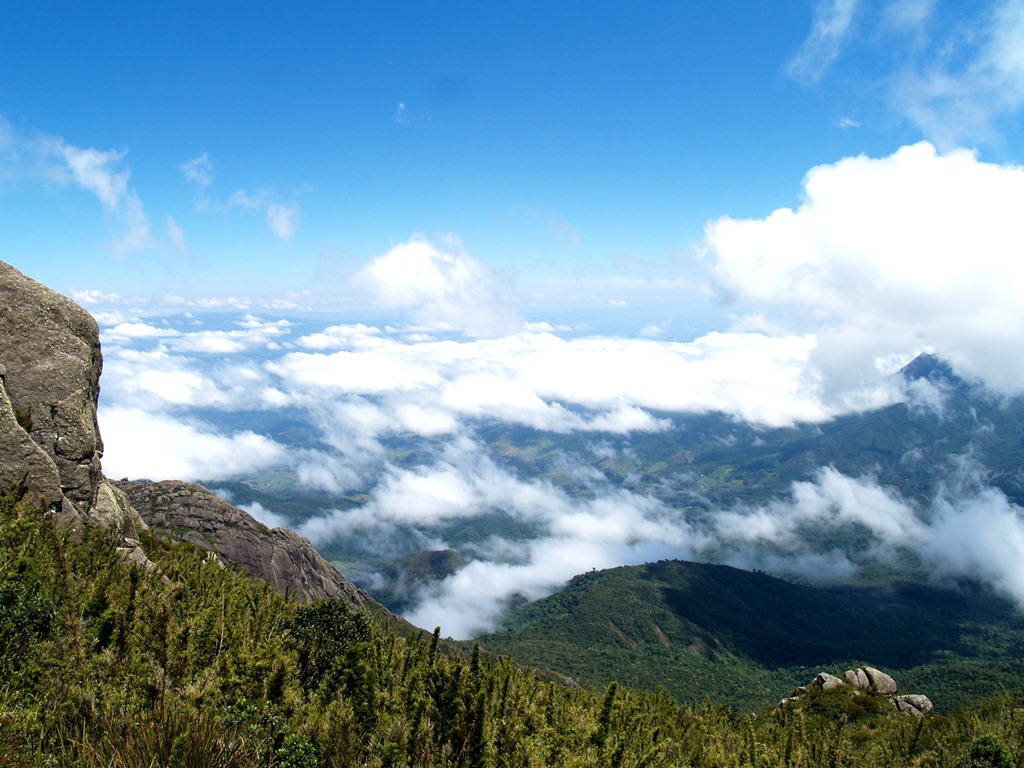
(883, 259)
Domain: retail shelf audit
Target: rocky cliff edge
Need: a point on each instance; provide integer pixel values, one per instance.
(50, 447)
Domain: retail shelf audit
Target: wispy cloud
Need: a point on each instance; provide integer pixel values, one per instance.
(43, 158)
(198, 171)
(954, 76)
(829, 30)
(974, 81)
(282, 218)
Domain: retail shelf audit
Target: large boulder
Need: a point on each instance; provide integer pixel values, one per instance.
(880, 682)
(914, 704)
(50, 352)
(826, 681)
(50, 364)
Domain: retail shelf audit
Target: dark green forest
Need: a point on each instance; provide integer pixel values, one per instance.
(746, 638)
(191, 664)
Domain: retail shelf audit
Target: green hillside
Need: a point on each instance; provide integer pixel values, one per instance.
(189, 664)
(748, 639)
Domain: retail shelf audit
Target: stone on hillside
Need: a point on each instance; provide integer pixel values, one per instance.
(869, 680)
(880, 681)
(827, 682)
(914, 704)
(857, 678)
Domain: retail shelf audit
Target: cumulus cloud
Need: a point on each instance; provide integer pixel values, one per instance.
(444, 289)
(890, 256)
(140, 443)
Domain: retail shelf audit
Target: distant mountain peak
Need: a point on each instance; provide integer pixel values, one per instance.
(931, 367)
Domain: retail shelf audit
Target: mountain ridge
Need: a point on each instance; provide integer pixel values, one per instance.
(701, 629)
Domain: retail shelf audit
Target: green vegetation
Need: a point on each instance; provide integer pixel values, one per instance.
(190, 664)
(746, 638)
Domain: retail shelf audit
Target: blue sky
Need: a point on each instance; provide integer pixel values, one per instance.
(557, 141)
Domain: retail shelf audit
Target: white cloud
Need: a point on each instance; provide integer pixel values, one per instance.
(982, 536)
(98, 172)
(94, 296)
(445, 289)
(282, 219)
(549, 383)
(142, 444)
(886, 257)
(341, 336)
(967, 531)
(832, 19)
(268, 517)
(198, 171)
(971, 78)
(137, 330)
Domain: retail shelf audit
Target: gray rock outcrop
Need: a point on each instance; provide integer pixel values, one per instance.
(914, 704)
(50, 366)
(827, 682)
(190, 513)
(865, 680)
(879, 681)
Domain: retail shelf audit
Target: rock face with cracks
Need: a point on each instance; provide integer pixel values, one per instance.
(50, 366)
(190, 513)
(50, 449)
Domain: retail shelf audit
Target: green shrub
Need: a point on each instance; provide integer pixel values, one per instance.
(987, 752)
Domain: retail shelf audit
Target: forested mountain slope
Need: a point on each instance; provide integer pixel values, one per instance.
(713, 631)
